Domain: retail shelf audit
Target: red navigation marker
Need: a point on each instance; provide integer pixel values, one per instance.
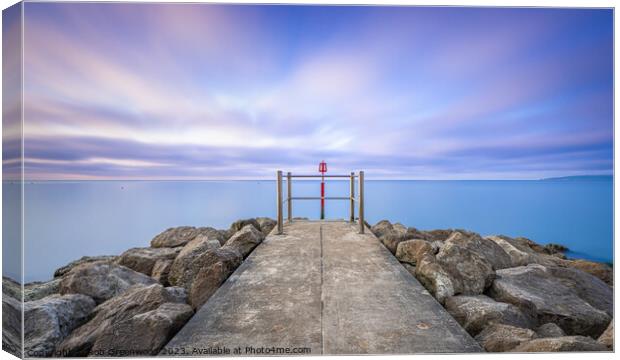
(322, 170)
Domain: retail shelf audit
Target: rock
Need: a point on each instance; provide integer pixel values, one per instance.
(266, 224)
(471, 274)
(240, 224)
(400, 229)
(245, 240)
(391, 240)
(600, 270)
(531, 244)
(549, 330)
(215, 267)
(178, 294)
(101, 280)
(436, 245)
(484, 248)
(501, 338)
(161, 270)
(49, 320)
(39, 290)
(477, 312)
(434, 278)
(118, 313)
(555, 248)
(11, 318)
(564, 343)
(143, 259)
(381, 228)
(83, 260)
(411, 250)
(521, 251)
(607, 337)
(409, 268)
(155, 329)
(179, 236)
(535, 291)
(439, 235)
(182, 271)
(413, 233)
(588, 287)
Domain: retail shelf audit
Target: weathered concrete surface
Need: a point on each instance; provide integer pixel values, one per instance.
(322, 287)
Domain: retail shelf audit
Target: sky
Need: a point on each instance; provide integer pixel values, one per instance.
(180, 91)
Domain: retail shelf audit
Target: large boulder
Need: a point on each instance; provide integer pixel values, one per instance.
(434, 278)
(101, 280)
(537, 292)
(119, 313)
(155, 329)
(439, 234)
(381, 228)
(477, 312)
(501, 338)
(266, 224)
(600, 270)
(607, 337)
(179, 236)
(245, 240)
(564, 343)
(49, 320)
(484, 248)
(184, 267)
(161, 270)
(411, 250)
(83, 260)
(143, 259)
(39, 290)
(471, 273)
(215, 267)
(549, 330)
(588, 287)
(240, 224)
(11, 317)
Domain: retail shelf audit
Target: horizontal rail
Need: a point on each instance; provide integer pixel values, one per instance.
(320, 176)
(319, 198)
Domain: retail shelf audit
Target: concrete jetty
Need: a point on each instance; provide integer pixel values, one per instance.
(321, 288)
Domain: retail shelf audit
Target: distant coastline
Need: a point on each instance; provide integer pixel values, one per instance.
(580, 178)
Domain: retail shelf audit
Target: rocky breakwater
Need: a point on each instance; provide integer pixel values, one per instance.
(131, 304)
(510, 294)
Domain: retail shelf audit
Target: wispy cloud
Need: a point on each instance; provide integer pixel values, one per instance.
(194, 91)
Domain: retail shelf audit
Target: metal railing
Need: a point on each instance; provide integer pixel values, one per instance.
(351, 198)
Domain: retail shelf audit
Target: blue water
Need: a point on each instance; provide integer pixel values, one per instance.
(66, 220)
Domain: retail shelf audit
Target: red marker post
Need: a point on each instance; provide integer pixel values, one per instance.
(322, 170)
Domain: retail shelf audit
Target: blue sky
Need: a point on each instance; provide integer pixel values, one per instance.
(177, 91)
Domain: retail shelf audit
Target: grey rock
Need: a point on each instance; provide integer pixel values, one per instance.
(161, 270)
(143, 259)
(266, 224)
(245, 240)
(477, 312)
(240, 224)
(39, 290)
(183, 268)
(588, 287)
(83, 260)
(484, 248)
(564, 343)
(600, 270)
(501, 337)
(137, 300)
(177, 294)
(607, 337)
(155, 329)
(410, 251)
(179, 236)
(537, 292)
(381, 228)
(49, 320)
(549, 330)
(101, 280)
(439, 234)
(471, 274)
(215, 266)
(11, 288)
(434, 278)
(11, 318)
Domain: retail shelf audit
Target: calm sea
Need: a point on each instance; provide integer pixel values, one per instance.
(67, 220)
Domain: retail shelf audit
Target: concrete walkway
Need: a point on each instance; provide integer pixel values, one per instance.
(321, 288)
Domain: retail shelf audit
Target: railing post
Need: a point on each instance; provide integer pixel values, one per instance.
(289, 200)
(352, 195)
(279, 199)
(361, 201)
